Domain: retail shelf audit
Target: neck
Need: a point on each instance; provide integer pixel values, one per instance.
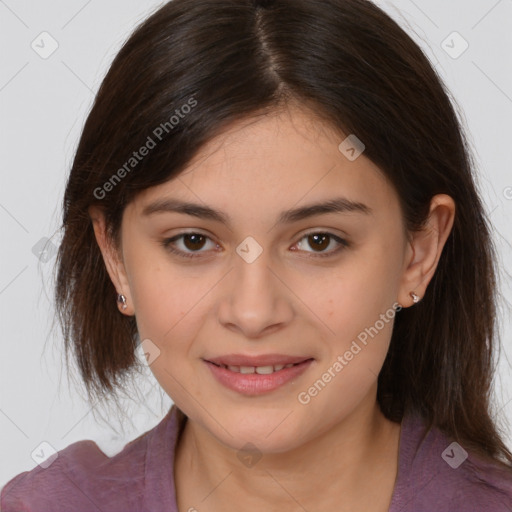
(353, 462)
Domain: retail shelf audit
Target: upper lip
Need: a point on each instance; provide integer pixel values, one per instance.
(261, 360)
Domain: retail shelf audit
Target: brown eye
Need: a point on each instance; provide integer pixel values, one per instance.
(320, 241)
(191, 243)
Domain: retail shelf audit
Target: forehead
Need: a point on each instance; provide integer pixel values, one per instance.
(266, 163)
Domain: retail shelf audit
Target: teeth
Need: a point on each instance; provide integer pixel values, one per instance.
(264, 370)
(261, 370)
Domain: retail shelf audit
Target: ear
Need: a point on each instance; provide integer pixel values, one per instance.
(112, 258)
(424, 249)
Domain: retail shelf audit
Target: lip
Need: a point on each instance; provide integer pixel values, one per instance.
(261, 360)
(253, 384)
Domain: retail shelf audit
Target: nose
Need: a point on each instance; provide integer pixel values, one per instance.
(256, 301)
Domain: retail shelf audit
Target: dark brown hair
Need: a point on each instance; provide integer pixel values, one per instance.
(350, 64)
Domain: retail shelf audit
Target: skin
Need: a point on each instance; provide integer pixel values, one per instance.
(287, 301)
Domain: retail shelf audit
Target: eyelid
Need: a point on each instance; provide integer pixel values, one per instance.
(167, 243)
(343, 243)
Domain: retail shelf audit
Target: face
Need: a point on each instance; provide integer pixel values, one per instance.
(319, 290)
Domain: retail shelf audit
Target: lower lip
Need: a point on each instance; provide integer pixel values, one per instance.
(254, 383)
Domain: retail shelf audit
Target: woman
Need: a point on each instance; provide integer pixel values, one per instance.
(277, 198)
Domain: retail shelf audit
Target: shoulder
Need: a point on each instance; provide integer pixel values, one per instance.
(437, 473)
(82, 478)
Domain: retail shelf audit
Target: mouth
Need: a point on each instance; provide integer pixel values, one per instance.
(260, 370)
(262, 360)
(257, 375)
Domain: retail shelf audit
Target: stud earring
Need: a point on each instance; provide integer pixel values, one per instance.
(122, 300)
(415, 298)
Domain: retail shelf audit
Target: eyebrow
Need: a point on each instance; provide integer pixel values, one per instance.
(335, 205)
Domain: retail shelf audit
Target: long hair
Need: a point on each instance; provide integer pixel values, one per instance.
(195, 66)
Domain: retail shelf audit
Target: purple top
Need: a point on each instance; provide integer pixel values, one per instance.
(433, 475)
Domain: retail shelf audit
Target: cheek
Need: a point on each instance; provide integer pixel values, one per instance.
(359, 314)
(350, 370)
(164, 306)
(171, 304)
(359, 291)
(160, 294)
(155, 301)
(167, 313)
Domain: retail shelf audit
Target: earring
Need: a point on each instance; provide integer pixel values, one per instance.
(415, 298)
(122, 300)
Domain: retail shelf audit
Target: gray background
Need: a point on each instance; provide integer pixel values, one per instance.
(44, 100)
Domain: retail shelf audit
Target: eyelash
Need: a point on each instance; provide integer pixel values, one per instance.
(167, 244)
